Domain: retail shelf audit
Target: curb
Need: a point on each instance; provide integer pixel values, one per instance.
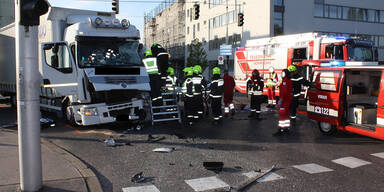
(90, 179)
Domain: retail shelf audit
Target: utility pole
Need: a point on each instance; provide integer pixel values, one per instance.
(27, 13)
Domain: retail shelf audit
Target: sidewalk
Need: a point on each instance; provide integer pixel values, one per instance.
(61, 170)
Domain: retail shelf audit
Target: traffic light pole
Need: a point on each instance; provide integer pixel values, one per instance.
(28, 104)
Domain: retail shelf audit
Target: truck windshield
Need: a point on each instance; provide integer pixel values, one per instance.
(360, 53)
(97, 52)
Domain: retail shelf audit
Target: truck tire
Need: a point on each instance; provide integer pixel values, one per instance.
(13, 101)
(327, 129)
(68, 113)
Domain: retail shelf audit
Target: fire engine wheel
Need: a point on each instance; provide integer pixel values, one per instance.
(327, 129)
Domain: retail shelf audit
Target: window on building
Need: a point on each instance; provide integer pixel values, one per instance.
(278, 23)
(194, 32)
(381, 16)
(362, 15)
(333, 12)
(198, 26)
(278, 2)
(187, 30)
(190, 15)
(319, 10)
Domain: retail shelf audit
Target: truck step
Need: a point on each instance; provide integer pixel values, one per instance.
(164, 106)
(162, 120)
(166, 113)
(166, 100)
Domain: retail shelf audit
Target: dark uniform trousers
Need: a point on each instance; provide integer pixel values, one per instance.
(154, 81)
(216, 108)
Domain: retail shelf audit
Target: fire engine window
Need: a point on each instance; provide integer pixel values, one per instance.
(299, 54)
(339, 53)
(326, 80)
(329, 52)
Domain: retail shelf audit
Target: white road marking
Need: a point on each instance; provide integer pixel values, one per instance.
(207, 183)
(312, 168)
(351, 162)
(380, 155)
(267, 177)
(147, 188)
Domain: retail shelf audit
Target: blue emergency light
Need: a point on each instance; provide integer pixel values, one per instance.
(333, 64)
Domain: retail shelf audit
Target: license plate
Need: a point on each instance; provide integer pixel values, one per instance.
(322, 110)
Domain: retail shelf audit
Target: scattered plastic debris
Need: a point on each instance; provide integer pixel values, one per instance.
(110, 142)
(164, 150)
(214, 166)
(46, 123)
(171, 163)
(138, 178)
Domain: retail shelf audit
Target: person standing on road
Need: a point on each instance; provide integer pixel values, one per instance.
(199, 84)
(255, 87)
(150, 64)
(229, 85)
(271, 86)
(188, 90)
(297, 82)
(162, 59)
(284, 103)
(216, 90)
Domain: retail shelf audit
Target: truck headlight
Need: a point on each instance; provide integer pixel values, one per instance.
(125, 23)
(91, 111)
(98, 21)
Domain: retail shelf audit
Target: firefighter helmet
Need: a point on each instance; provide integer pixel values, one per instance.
(292, 68)
(271, 69)
(148, 52)
(255, 73)
(189, 71)
(170, 71)
(197, 69)
(216, 71)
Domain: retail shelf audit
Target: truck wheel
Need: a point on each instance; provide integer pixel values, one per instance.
(68, 113)
(327, 129)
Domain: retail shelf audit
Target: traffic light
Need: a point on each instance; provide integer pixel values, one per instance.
(240, 19)
(196, 9)
(115, 6)
(31, 10)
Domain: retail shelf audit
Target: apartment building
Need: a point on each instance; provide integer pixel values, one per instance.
(166, 25)
(266, 18)
(7, 12)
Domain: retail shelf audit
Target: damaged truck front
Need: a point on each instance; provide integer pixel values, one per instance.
(90, 67)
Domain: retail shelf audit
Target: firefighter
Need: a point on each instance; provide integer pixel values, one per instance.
(150, 63)
(188, 90)
(199, 84)
(271, 86)
(284, 103)
(297, 82)
(170, 82)
(216, 91)
(255, 88)
(162, 60)
(229, 85)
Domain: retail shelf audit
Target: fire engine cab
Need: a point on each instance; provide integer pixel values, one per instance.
(306, 50)
(348, 96)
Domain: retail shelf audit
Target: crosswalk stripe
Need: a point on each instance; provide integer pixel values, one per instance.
(207, 183)
(380, 155)
(351, 162)
(312, 168)
(265, 178)
(147, 188)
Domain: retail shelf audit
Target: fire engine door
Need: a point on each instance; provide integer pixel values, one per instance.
(58, 71)
(380, 103)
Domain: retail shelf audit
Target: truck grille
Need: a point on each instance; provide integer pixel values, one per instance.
(118, 80)
(114, 96)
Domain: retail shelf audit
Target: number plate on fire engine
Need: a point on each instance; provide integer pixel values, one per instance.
(322, 110)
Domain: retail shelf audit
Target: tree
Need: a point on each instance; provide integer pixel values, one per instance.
(197, 55)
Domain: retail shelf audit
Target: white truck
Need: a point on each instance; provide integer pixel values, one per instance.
(89, 64)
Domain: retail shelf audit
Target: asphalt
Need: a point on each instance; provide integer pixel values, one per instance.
(61, 170)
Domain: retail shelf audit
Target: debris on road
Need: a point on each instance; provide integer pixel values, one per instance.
(214, 166)
(152, 139)
(110, 142)
(164, 150)
(46, 122)
(249, 181)
(138, 178)
(238, 167)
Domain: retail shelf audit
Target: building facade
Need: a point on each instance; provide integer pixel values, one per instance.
(7, 12)
(166, 25)
(266, 18)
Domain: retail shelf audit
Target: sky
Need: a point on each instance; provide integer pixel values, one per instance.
(133, 11)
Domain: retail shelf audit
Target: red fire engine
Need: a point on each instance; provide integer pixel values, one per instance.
(348, 96)
(305, 50)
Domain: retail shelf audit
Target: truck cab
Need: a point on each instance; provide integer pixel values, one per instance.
(348, 98)
(90, 67)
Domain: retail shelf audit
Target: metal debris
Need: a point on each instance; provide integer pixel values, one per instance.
(138, 178)
(164, 150)
(249, 181)
(214, 166)
(154, 139)
(110, 142)
(46, 123)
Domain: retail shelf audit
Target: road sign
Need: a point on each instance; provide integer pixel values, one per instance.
(225, 49)
(220, 59)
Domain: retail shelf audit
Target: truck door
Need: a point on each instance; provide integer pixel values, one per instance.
(380, 103)
(58, 70)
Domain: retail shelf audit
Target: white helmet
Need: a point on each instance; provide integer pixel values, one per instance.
(271, 69)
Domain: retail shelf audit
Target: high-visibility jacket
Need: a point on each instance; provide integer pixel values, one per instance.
(198, 85)
(297, 81)
(216, 89)
(170, 83)
(150, 64)
(188, 88)
(255, 86)
(272, 80)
